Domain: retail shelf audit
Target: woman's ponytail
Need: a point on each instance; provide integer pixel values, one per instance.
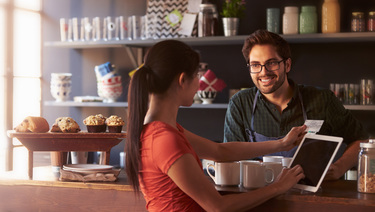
(137, 109)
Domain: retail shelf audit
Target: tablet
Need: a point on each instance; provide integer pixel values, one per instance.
(315, 154)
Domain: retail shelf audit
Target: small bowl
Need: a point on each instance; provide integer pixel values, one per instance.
(207, 96)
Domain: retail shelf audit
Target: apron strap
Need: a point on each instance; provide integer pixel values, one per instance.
(303, 108)
(254, 106)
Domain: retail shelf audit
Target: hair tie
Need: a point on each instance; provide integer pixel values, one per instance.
(147, 68)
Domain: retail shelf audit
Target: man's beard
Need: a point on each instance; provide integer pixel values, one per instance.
(277, 85)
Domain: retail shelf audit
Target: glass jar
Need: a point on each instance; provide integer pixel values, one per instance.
(308, 20)
(358, 22)
(366, 167)
(371, 21)
(330, 16)
(207, 20)
(290, 20)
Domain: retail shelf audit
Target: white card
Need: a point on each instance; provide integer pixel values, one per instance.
(187, 24)
(193, 6)
(313, 126)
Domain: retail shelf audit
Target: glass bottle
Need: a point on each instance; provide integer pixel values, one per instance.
(366, 167)
(290, 20)
(371, 21)
(358, 22)
(308, 20)
(330, 16)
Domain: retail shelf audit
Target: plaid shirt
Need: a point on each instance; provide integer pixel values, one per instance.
(319, 104)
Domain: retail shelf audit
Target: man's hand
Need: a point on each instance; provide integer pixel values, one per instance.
(293, 138)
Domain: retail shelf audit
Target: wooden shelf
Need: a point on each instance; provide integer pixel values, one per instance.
(194, 106)
(220, 40)
(85, 104)
(125, 105)
(360, 107)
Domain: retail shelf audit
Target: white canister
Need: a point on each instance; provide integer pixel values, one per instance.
(290, 20)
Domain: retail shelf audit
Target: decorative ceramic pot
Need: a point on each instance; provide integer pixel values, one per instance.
(207, 96)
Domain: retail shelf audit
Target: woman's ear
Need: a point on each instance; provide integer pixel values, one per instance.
(182, 79)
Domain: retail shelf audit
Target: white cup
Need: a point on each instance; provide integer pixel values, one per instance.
(241, 168)
(276, 167)
(226, 173)
(272, 158)
(61, 76)
(79, 157)
(254, 175)
(286, 161)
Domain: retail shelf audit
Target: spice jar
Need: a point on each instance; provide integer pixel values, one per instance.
(308, 20)
(371, 21)
(290, 20)
(366, 167)
(358, 22)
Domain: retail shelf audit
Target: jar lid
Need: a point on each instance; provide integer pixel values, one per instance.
(207, 6)
(308, 8)
(372, 13)
(370, 144)
(291, 9)
(361, 14)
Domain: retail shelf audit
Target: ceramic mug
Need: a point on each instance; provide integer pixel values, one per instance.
(276, 167)
(254, 175)
(271, 158)
(286, 162)
(241, 168)
(226, 173)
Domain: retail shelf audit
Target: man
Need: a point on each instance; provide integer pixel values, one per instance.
(269, 110)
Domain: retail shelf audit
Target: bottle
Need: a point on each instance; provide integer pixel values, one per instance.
(273, 20)
(371, 21)
(366, 167)
(290, 20)
(308, 20)
(330, 16)
(358, 22)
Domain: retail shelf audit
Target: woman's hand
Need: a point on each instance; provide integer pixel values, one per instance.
(293, 138)
(288, 178)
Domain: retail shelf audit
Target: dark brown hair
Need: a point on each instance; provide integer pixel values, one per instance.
(261, 37)
(162, 64)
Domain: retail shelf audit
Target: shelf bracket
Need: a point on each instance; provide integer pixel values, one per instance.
(136, 60)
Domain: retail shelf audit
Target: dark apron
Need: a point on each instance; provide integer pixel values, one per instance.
(256, 137)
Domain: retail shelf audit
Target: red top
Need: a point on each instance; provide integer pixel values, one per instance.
(161, 146)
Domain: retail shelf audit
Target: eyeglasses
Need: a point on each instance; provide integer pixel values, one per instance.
(269, 66)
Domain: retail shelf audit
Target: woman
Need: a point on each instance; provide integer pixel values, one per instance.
(162, 158)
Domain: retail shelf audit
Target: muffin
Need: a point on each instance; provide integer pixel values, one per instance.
(65, 125)
(33, 124)
(95, 124)
(114, 124)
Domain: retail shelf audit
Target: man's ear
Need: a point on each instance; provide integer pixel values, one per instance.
(288, 64)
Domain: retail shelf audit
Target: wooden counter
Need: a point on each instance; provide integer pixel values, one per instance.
(333, 196)
(45, 193)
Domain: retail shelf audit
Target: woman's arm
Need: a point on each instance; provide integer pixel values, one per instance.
(188, 176)
(232, 151)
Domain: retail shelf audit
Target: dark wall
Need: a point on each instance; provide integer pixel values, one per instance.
(313, 63)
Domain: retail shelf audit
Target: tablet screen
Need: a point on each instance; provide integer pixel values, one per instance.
(314, 156)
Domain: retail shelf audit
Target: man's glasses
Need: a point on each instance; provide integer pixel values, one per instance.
(269, 66)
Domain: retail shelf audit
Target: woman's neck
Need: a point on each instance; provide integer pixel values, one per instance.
(162, 109)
